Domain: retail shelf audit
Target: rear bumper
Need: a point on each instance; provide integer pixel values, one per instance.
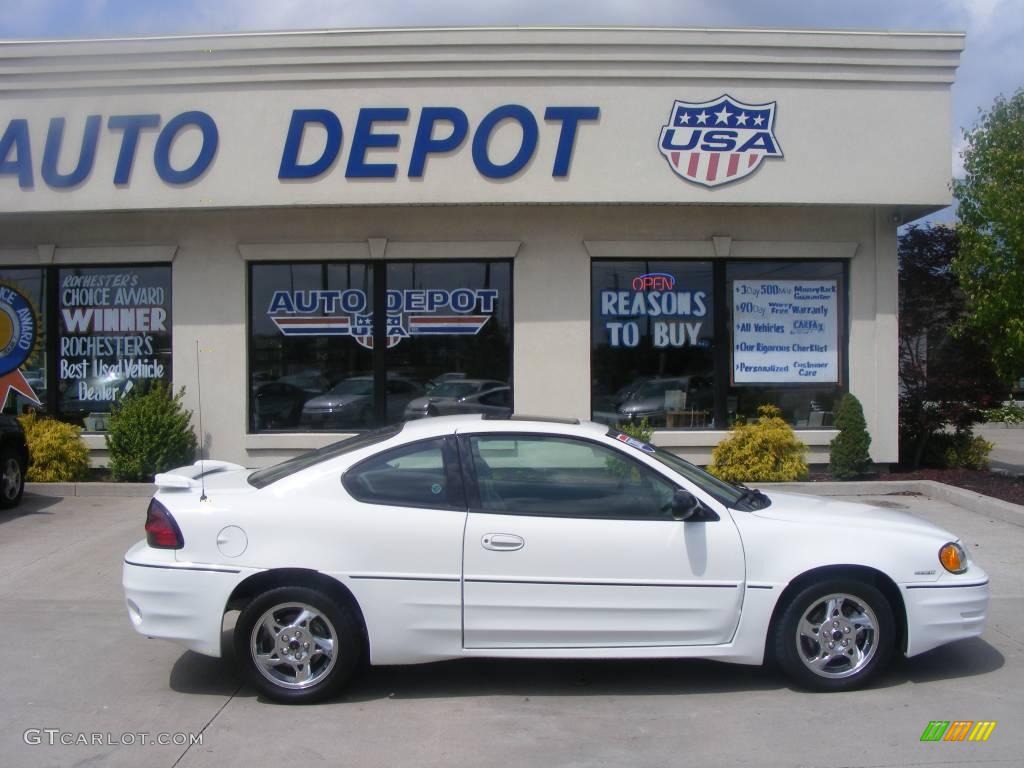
(181, 602)
(945, 611)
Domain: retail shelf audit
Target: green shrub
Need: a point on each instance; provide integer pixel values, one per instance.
(1011, 413)
(150, 432)
(767, 450)
(968, 451)
(848, 452)
(59, 454)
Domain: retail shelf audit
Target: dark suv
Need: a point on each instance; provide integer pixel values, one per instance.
(14, 461)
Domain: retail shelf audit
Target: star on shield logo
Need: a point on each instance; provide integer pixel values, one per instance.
(715, 142)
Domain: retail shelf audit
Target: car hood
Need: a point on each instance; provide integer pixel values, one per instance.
(641, 404)
(332, 401)
(422, 402)
(817, 510)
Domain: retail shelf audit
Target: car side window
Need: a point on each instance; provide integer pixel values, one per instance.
(499, 398)
(414, 475)
(565, 477)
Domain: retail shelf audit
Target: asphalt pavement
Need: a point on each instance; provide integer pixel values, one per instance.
(76, 671)
(1008, 446)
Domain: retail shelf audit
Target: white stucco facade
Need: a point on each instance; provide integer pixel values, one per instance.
(862, 120)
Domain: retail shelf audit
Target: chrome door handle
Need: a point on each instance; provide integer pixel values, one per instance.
(502, 542)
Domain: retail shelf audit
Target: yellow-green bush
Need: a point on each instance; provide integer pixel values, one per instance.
(766, 450)
(968, 451)
(58, 452)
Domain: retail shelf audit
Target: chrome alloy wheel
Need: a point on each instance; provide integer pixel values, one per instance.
(11, 479)
(837, 636)
(293, 645)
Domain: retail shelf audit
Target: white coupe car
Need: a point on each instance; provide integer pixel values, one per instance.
(532, 538)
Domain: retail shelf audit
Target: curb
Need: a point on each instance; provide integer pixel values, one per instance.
(977, 503)
(137, 490)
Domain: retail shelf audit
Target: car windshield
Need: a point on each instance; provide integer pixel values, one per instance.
(353, 387)
(261, 478)
(453, 389)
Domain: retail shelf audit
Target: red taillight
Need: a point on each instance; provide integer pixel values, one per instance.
(162, 531)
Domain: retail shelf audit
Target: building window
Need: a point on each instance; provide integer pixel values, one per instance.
(114, 337)
(652, 342)
(314, 357)
(663, 348)
(74, 340)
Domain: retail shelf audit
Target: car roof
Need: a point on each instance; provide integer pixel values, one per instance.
(475, 422)
(472, 381)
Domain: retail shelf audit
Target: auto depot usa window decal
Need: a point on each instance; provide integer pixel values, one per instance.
(414, 312)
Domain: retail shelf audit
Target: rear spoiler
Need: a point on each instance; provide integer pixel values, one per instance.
(188, 476)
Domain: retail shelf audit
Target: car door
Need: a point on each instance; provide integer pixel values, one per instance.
(401, 540)
(570, 543)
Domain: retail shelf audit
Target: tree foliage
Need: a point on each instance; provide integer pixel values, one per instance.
(991, 223)
(848, 451)
(946, 380)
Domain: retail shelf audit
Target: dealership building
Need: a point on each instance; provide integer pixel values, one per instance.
(320, 229)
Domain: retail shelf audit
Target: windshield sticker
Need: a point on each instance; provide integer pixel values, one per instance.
(634, 443)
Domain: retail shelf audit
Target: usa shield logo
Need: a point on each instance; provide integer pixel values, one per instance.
(719, 141)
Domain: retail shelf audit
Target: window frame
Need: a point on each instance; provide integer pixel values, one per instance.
(454, 476)
(472, 487)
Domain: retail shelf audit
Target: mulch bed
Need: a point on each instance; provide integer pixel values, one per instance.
(997, 485)
(992, 484)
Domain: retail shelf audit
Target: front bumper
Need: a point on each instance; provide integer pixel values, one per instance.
(181, 602)
(945, 611)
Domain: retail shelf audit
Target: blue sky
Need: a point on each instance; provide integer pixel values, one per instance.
(993, 62)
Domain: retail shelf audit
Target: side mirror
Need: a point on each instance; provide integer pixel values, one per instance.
(684, 505)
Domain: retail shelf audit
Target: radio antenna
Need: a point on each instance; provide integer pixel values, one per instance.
(202, 435)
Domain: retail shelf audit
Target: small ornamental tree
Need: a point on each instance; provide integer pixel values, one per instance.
(150, 432)
(767, 450)
(848, 451)
(947, 379)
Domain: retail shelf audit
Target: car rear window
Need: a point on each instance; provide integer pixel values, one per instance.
(264, 477)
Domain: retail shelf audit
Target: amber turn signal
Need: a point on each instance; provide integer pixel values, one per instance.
(953, 558)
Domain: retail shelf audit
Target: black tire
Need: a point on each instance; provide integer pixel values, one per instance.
(297, 645)
(857, 653)
(12, 479)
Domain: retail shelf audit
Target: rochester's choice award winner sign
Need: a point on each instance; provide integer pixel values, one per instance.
(114, 332)
(785, 331)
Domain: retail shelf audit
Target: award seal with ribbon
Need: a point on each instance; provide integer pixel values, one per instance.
(18, 332)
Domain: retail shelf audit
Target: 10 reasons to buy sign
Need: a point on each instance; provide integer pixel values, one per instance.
(785, 331)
